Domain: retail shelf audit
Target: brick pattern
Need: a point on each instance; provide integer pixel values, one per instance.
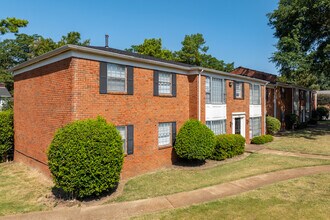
(42, 104)
(49, 97)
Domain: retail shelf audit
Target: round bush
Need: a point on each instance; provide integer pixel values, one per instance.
(194, 141)
(6, 133)
(262, 139)
(322, 112)
(273, 125)
(228, 145)
(86, 157)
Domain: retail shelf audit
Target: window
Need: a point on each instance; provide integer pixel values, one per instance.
(164, 134)
(218, 126)
(238, 90)
(116, 76)
(255, 127)
(165, 83)
(255, 96)
(283, 93)
(215, 90)
(123, 133)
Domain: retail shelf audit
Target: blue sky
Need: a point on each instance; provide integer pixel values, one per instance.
(235, 30)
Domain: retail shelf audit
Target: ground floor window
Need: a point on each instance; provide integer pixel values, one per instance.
(123, 134)
(255, 127)
(217, 126)
(164, 134)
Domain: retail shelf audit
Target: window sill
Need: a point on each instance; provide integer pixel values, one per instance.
(117, 93)
(239, 98)
(166, 95)
(164, 147)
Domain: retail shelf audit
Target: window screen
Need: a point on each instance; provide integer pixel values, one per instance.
(217, 126)
(164, 134)
(165, 83)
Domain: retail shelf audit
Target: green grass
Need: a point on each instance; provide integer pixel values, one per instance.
(302, 198)
(314, 140)
(22, 189)
(173, 181)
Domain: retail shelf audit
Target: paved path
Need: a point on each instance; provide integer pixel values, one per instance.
(252, 148)
(132, 208)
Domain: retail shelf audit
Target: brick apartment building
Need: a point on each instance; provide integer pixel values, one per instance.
(282, 98)
(148, 99)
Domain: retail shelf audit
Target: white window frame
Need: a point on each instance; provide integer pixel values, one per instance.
(252, 133)
(169, 75)
(109, 77)
(169, 143)
(253, 99)
(211, 125)
(124, 139)
(211, 91)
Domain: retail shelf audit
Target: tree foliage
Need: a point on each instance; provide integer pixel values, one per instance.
(193, 51)
(24, 47)
(303, 48)
(11, 25)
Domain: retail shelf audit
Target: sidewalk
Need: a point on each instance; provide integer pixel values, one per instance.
(138, 207)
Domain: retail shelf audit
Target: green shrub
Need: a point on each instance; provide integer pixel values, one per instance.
(273, 125)
(86, 157)
(194, 141)
(262, 139)
(322, 112)
(302, 125)
(323, 99)
(227, 146)
(6, 134)
(291, 121)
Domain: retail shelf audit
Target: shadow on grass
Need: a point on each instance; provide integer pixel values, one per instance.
(61, 195)
(322, 128)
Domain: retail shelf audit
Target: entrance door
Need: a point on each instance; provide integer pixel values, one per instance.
(237, 125)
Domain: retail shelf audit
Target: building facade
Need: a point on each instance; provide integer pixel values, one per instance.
(148, 99)
(283, 99)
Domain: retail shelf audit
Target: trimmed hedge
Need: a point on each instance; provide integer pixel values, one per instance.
(6, 134)
(273, 125)
(262, 139)
(194, 141)
(86, 157)
(228, 145)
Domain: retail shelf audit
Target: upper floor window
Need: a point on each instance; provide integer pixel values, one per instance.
(215, 90)
(238, 90)
(255, 94)
(116, 77)
(164, 84)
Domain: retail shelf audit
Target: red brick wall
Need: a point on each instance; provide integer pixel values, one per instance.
(143, 110)
(270, 102)
(42, 104)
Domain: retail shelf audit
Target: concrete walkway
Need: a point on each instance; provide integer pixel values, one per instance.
(138, 207)
(252, 148)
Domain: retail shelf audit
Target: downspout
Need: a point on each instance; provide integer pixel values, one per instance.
(199, 94)
(275, 110)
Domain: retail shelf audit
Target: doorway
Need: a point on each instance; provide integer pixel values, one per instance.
(238, 123)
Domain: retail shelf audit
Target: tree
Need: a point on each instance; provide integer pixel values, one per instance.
(25, 47)
(193, 46)
(152, 47)
(11, 25)
(193, 52)
(303, 48)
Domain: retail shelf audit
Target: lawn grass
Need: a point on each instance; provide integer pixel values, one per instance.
(174, 180)
(302, 198)
(312, 140)
(22, 189)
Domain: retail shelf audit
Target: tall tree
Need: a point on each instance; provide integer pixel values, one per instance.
(11, 25)
(303, 48)
(152, 47)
